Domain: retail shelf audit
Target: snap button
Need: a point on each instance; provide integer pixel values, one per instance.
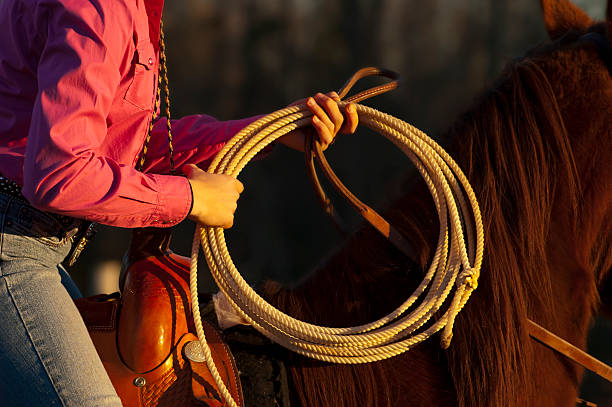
(150, 60)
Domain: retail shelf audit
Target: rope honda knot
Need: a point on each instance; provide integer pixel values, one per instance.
(468, 277)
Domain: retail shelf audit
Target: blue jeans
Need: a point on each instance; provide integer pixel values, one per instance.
(46, 355)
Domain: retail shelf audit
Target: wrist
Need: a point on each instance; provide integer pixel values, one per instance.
(191, 192)
(191, 215)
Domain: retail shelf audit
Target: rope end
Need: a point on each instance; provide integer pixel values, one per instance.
(446, 340)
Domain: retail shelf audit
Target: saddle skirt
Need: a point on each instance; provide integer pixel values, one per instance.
(143, 337)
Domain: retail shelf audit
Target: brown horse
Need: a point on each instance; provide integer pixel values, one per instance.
(537, 150)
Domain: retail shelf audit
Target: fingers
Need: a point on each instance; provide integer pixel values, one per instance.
(320, 120)
(229, 221)
(327, 118)
(334, 96)
(191, 170)
(330, 105)
(226, 218)
(352, 120)
(325, 136)
(239, 186)
(215, 197)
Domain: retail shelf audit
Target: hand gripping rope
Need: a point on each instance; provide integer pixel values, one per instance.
(455, 264)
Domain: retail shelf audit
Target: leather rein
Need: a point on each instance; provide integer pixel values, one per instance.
(313, 149)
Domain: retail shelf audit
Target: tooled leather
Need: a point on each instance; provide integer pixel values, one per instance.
(236, 388)
(167, 276)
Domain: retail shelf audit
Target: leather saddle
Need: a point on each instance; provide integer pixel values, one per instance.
(145, 334)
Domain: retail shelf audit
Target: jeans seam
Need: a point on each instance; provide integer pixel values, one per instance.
(38, 355)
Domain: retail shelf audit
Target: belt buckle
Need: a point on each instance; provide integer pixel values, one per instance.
(83, 236)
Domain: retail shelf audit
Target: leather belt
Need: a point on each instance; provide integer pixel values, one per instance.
(10, 187)
(86, 230)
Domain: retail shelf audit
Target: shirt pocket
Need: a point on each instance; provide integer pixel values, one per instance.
(141, 90)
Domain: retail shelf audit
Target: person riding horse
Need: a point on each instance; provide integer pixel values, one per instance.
(77, 101)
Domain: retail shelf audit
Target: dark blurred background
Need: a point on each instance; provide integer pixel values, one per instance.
(237, 58)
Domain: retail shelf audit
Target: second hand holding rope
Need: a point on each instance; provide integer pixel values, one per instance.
(453, 264)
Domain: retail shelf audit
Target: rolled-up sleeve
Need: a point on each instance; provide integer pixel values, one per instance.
(78, 74)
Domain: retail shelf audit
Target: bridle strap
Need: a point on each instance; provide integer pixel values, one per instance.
(313, 147)
(371, 92)
(568, 350)
(370, 215)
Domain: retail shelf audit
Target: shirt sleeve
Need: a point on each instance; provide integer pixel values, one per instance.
(78, 74)
(196, 140)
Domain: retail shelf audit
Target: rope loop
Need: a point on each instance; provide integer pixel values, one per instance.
(448, 282)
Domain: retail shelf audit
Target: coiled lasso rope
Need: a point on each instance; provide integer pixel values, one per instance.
(454, 264)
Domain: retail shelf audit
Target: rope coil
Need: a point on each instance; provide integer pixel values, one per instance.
(454, 264)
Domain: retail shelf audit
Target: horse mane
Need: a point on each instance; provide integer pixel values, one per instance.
(516, 152)
(514, 148)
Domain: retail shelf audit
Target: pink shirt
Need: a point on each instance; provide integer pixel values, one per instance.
(77, 89)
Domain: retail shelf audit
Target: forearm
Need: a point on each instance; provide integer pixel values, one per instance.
(101, 190)
(196, 140)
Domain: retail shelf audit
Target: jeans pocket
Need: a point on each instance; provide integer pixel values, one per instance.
(26, 222)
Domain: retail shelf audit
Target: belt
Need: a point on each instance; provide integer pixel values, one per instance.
(13, 189)
(86, 230)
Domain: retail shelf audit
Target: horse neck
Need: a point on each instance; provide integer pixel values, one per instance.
(586, 109)
(578, 248)
(589, 125)
(562, 213)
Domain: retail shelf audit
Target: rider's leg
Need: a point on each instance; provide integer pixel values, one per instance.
(46, 355)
